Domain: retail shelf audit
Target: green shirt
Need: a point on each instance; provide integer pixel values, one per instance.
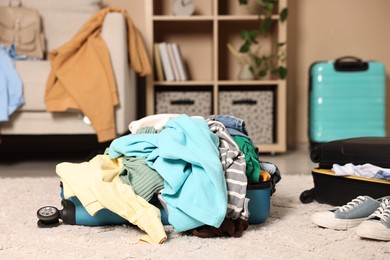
(251, 158)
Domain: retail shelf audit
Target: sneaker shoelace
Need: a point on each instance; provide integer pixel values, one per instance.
(352, 204)
(383, 211)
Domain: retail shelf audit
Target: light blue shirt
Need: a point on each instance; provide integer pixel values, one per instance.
(11, 87)
(185, 153)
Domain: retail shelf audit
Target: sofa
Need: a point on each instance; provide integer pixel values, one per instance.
(61, 20)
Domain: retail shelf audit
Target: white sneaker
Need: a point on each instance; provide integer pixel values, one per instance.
(377, 225)
(347, 216)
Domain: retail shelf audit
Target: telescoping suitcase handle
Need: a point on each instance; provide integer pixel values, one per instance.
(350, 63)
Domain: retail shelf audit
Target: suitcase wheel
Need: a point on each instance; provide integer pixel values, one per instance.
(48, 217)
(43, 224)
(307, 196)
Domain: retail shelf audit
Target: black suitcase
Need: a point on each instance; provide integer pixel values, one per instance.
(374, 150)
(339, 190)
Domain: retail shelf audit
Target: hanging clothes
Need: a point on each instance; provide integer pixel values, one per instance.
(82, 78)
(11, 86)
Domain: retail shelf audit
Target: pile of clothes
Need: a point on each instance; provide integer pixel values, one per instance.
(198, 168)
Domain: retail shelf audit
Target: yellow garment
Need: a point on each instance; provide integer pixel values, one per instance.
(264, 176)
(82, 78)
(97, 185)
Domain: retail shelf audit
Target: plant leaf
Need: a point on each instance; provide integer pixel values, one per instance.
(257, 61)
(248, 36)
(282, 72)
(266, 25)
(283, 14)
(245, 47)
(243, 2)
(244, 35)
(269, 7)
(251, 36)
(262, 73)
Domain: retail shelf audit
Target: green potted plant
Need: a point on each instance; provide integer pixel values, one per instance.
(261, 65)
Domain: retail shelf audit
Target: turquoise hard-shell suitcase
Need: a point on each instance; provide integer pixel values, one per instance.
(346, 99)
(74, 213)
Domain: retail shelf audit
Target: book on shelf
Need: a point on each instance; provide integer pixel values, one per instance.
(166, 64)
(179, 62)
(173, 62)
(157, 61)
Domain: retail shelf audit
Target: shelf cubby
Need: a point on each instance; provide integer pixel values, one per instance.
(212, 68)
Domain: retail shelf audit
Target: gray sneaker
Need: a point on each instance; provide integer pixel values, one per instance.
(346, 216)
(377, 225)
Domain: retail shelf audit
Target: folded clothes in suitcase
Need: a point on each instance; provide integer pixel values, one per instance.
(339, 190)
(74, 213)
(346, 99)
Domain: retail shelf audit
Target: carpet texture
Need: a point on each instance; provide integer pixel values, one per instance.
(287, 233)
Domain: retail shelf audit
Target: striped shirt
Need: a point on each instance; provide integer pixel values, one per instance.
(234, 166)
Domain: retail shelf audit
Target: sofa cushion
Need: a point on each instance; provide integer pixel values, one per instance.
(62, 18)
(34, 75)
(41, 123)
(73, 6)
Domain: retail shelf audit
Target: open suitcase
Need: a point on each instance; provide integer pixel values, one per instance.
(346, 99)
(73, 212)
(339, 190)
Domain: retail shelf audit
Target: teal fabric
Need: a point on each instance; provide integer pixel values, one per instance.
(185, 153)
(144, 180)
(251, 158)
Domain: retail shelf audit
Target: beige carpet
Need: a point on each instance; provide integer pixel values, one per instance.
(287, 233)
